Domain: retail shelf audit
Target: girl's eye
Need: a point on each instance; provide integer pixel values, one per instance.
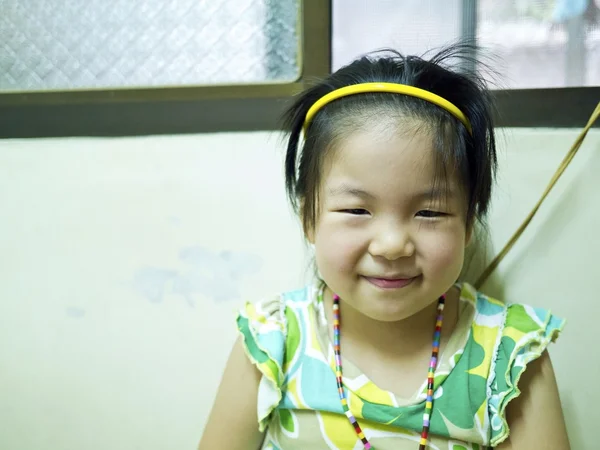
(430, 214)
(356, 211)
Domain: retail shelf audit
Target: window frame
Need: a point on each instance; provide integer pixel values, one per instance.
(172, 110)
(568, 107)
(200, 109)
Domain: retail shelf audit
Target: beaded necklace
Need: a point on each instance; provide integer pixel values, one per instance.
(430, 373)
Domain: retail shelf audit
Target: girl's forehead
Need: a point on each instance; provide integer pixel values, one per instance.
(372, 155)
(393, 165)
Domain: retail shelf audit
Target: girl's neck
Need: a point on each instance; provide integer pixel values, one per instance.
(406, 338)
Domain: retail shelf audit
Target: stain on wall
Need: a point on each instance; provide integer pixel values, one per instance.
(217, 275)
(75, 312)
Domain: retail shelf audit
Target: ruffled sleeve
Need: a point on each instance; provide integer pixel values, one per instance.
(262, 326)
(526, 334)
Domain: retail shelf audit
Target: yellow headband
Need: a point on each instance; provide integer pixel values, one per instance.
(386, 87)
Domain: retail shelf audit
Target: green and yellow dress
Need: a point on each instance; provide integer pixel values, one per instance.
(298, 404)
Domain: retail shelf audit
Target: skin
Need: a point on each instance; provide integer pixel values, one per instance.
(233, 421)
(383, 217)
(537, 409)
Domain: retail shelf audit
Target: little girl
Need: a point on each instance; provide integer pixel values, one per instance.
(390, 163)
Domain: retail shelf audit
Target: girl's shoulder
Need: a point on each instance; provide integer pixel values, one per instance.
(503, 339)
(516, 322)
(271, 330)
(270, 316)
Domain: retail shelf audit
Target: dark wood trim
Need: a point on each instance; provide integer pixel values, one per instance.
(141, 118)
(550, 108)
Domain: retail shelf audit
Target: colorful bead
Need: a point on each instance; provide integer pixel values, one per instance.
(430, 373)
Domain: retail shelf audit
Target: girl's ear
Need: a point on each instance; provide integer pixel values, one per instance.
(469, 235)
(309, 232)
(310, 236)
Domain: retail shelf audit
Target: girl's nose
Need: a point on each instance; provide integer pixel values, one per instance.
(392, 242)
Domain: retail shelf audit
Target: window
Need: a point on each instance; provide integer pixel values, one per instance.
(543, 43)
(122, 67)
(122, 43)
(547, 51)
(410, 26)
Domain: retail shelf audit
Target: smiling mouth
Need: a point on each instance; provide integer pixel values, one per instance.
(390, 283)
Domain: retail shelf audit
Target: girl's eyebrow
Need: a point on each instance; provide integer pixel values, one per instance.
(352, 191)
(436, 194)
(348, 190)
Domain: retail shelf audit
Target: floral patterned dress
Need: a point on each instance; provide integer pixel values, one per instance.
(287, 338)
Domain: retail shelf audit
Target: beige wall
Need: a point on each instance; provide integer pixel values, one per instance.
(123, 260)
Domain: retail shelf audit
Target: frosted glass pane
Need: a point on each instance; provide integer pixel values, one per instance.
(79, 44)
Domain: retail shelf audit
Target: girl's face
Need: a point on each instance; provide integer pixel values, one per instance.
(389, 240)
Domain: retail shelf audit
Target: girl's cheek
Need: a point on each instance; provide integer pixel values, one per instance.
(338, 247)
(443, 250)
(348, 255)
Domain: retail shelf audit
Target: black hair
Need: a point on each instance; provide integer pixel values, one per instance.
(473, 156)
